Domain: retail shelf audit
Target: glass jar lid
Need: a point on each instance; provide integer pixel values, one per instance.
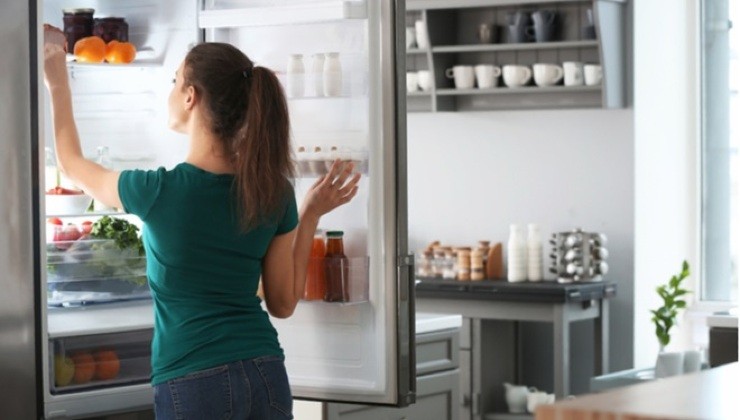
(78, 11)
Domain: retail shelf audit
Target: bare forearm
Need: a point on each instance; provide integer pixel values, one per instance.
(302, 250)
(66, 138)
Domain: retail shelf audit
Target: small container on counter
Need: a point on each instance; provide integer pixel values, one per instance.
(477, 271)
(449, 271)
(424, 262)
(463, 264)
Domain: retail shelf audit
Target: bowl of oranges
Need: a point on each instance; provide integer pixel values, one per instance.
(93, 49)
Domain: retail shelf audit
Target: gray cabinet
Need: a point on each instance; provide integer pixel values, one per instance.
(451, 29)
(437, 385)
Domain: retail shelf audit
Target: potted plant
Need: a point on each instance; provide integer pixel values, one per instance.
(664, 318)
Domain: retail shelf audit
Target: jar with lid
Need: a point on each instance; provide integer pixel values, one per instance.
(337, 268)
(424, 264)
(449, 271)
(438, 261)
(78, 24)
(476, 265)
(517, 258)
(315, 272)
(463, 264)
(111, 29)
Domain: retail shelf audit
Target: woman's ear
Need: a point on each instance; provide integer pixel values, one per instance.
(190, 98)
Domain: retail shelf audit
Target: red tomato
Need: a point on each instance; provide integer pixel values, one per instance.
(87, 227)
(55, 221)
(63, 237)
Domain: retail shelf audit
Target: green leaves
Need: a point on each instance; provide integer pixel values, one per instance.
(664, 317)
(125, 234)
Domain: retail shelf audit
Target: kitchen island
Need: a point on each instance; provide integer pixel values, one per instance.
(492, 309)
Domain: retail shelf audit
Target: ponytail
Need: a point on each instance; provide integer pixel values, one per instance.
(246, 110)
(263, 162)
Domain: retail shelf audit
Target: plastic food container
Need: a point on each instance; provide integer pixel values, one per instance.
(84, 272)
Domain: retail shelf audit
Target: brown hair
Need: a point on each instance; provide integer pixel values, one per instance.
(246, 109)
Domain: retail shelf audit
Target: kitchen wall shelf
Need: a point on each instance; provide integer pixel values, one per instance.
(451, 29)
(518, 91)
(514, 47)
(324, 11)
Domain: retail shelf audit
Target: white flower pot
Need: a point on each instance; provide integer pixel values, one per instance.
(669, 363)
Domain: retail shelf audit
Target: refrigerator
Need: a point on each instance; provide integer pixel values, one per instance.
(360, 350)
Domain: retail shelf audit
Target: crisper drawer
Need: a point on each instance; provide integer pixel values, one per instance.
(94, 271)
(99, 361)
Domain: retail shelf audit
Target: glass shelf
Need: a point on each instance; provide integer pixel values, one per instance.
(515, 47)
(324, 11)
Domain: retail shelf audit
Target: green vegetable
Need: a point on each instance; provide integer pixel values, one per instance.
(125, 234)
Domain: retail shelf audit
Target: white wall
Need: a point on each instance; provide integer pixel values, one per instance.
(472, 174)
(665, 158)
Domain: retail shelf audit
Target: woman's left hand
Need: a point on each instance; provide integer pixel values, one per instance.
(334, 189)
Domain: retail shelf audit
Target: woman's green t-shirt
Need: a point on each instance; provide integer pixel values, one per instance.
(203, 270)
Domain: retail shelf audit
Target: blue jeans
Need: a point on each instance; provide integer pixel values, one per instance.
(247, 389)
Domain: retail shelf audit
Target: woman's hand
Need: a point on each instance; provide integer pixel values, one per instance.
(55, 60)
(334, 189)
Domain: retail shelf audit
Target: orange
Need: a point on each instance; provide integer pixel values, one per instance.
(120, 52)
(107, 364)
(84, 367)
(90, 49)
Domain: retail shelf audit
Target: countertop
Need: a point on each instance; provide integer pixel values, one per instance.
(428, 322)
(709, 394)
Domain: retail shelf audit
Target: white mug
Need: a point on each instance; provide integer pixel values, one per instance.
(422, 40)
(515, 76)
(573, 73)
(592, 74)
(547, 74)
(425, 79)
(464, 76)
(536, 398)
(412, 81)
(410, 37)
(486, 75)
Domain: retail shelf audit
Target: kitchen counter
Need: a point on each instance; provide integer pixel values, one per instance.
(430, 322)
(709, 394)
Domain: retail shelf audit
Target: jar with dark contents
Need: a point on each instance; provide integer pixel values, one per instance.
(78, 24)
(111, 29)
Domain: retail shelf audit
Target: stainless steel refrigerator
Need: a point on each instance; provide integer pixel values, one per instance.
(358, 350)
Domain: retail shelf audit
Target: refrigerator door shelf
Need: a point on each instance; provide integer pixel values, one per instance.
(307, 13)
(99, 361)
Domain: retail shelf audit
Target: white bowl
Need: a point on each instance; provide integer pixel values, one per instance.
(68, 204)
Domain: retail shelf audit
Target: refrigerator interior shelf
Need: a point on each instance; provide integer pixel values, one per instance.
(88, 214)
(325, 11)
(100, 319)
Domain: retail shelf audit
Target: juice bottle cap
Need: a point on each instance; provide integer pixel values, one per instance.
(334, 234)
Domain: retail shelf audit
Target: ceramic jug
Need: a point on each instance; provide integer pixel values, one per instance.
(544, 25)
(516, 397)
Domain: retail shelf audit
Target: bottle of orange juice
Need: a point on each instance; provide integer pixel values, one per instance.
(315, 275)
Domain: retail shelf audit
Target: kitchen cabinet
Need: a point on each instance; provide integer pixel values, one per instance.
(437, 377)
(451, 30)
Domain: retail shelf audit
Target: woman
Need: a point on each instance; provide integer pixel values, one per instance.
(212, 226)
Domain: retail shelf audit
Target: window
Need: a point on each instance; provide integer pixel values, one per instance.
(720, 210)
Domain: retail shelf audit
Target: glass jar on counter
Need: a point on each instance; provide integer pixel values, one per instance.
(424, 262)
(449, 271)
(78, 24)
(111, 29)
(438, 261)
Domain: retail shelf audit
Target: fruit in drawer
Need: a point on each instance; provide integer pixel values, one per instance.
(90, 49)
(64, 370)
(107, 364)
(63, 191)
(84, 366)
